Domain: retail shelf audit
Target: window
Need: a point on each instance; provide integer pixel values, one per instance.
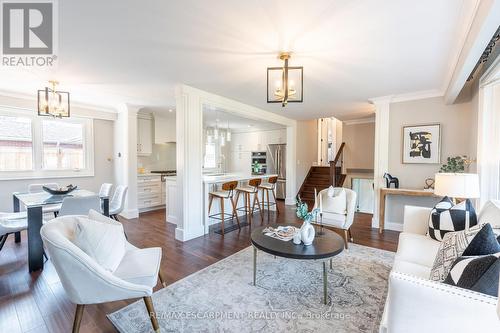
(210, 156)
(16, 143)
(37, 147)
(62, 145)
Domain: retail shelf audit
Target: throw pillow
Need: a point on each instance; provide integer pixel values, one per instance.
(478, 273)
(483, 243)
(337, 203)
(490, 213)
(104, 242)
(445, 218)
(452, 247)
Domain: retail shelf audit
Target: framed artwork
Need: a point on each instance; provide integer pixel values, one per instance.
(422, 144)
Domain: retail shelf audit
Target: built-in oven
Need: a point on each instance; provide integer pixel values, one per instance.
(259, 162)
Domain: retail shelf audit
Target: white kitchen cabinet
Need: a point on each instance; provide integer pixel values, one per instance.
(144, 136)
(171, 200)
(240, 161)
(164, 129)
(149, 192)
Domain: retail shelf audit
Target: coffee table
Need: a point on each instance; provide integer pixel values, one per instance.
(324, 248)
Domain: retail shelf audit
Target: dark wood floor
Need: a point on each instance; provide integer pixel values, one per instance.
(37, 302)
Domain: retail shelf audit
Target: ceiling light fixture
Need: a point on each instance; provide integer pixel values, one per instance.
(285, 84)
(52, 102)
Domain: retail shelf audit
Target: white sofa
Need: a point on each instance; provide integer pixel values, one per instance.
(416, 304)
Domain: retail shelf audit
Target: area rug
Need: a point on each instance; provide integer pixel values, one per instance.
(288, 296)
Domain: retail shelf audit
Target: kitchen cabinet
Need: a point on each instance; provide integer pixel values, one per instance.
(150, 192)
(164, 129)
(171, 200)
(144, 136)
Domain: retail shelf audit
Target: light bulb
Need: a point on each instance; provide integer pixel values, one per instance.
(228, 136)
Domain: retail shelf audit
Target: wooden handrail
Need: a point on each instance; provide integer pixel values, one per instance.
(333, 164)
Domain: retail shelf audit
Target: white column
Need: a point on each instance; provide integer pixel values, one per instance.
(125, 147)
(381, 158)
(189, 131)
(291, 164)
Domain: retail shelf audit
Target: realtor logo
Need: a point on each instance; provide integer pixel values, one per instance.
(28, 29)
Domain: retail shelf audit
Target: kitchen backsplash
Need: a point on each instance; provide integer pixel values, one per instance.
(162, 158)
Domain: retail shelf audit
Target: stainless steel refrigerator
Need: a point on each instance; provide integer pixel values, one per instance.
(276, 164)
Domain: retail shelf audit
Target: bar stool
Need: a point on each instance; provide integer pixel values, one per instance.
(226, 192)
(247, 190)
(269, 186)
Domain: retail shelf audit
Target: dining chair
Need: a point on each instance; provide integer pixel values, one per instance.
(117, 203)
(105, 190)
(11, 223)
(80, 205)
(37, 188)
(87, 282)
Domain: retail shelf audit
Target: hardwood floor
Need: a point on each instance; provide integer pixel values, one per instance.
(37, 302)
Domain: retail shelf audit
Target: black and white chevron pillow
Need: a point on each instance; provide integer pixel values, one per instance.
(478, 273)
(445, 218)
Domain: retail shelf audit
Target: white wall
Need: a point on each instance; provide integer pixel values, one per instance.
(458, 137)
(103, 168)
(307, 148)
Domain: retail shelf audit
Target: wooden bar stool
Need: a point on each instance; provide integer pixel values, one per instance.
(269, 186)
(226, 192)
(247, 190)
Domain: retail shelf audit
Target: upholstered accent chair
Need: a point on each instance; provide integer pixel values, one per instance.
(87, 282)
(334, 219)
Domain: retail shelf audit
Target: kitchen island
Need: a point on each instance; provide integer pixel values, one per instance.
(213, 182)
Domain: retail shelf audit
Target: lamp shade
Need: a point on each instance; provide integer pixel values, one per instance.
(457, 185)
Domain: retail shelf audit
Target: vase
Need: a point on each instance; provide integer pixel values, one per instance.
(307, 232)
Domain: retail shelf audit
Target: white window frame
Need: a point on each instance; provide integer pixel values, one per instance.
(36, 127)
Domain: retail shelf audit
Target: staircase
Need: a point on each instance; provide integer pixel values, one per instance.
(321, 177)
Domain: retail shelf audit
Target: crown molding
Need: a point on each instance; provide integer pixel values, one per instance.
(359, 121)
(413, 96)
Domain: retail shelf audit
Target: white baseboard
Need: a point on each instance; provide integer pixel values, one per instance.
(172, 219)
(393, 226)
(130, 214)
(396, 226)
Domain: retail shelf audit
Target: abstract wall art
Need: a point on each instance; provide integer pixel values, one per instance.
(422, 144)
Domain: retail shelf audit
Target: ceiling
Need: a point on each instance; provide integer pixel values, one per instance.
(118, 51)
(225, 119)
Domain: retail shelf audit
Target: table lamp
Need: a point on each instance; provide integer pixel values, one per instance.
(457, 185)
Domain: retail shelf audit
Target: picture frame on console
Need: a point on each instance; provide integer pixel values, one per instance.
(421, 144)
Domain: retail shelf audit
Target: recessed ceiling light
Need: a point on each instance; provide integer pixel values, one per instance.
(170, 110)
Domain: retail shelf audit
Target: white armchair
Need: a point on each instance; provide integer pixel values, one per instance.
(341, 221)
(86, 282)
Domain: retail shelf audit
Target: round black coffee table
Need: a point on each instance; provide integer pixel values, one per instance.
(324, 247)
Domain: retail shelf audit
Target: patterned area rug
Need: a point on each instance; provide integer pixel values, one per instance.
(288, 296)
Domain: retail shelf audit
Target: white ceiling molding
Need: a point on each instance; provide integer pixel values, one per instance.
(485, 23)
(359, 121)
(416, 96)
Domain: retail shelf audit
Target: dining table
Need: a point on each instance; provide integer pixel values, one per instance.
(34, 203)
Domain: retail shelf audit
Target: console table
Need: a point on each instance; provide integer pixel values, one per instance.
(397, 191)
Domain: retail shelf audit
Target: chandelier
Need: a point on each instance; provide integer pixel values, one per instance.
(52, 102)
(285, 84)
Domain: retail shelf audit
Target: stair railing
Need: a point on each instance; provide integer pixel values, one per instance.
(338, 161)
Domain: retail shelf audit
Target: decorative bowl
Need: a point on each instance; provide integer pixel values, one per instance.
(60, 191)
